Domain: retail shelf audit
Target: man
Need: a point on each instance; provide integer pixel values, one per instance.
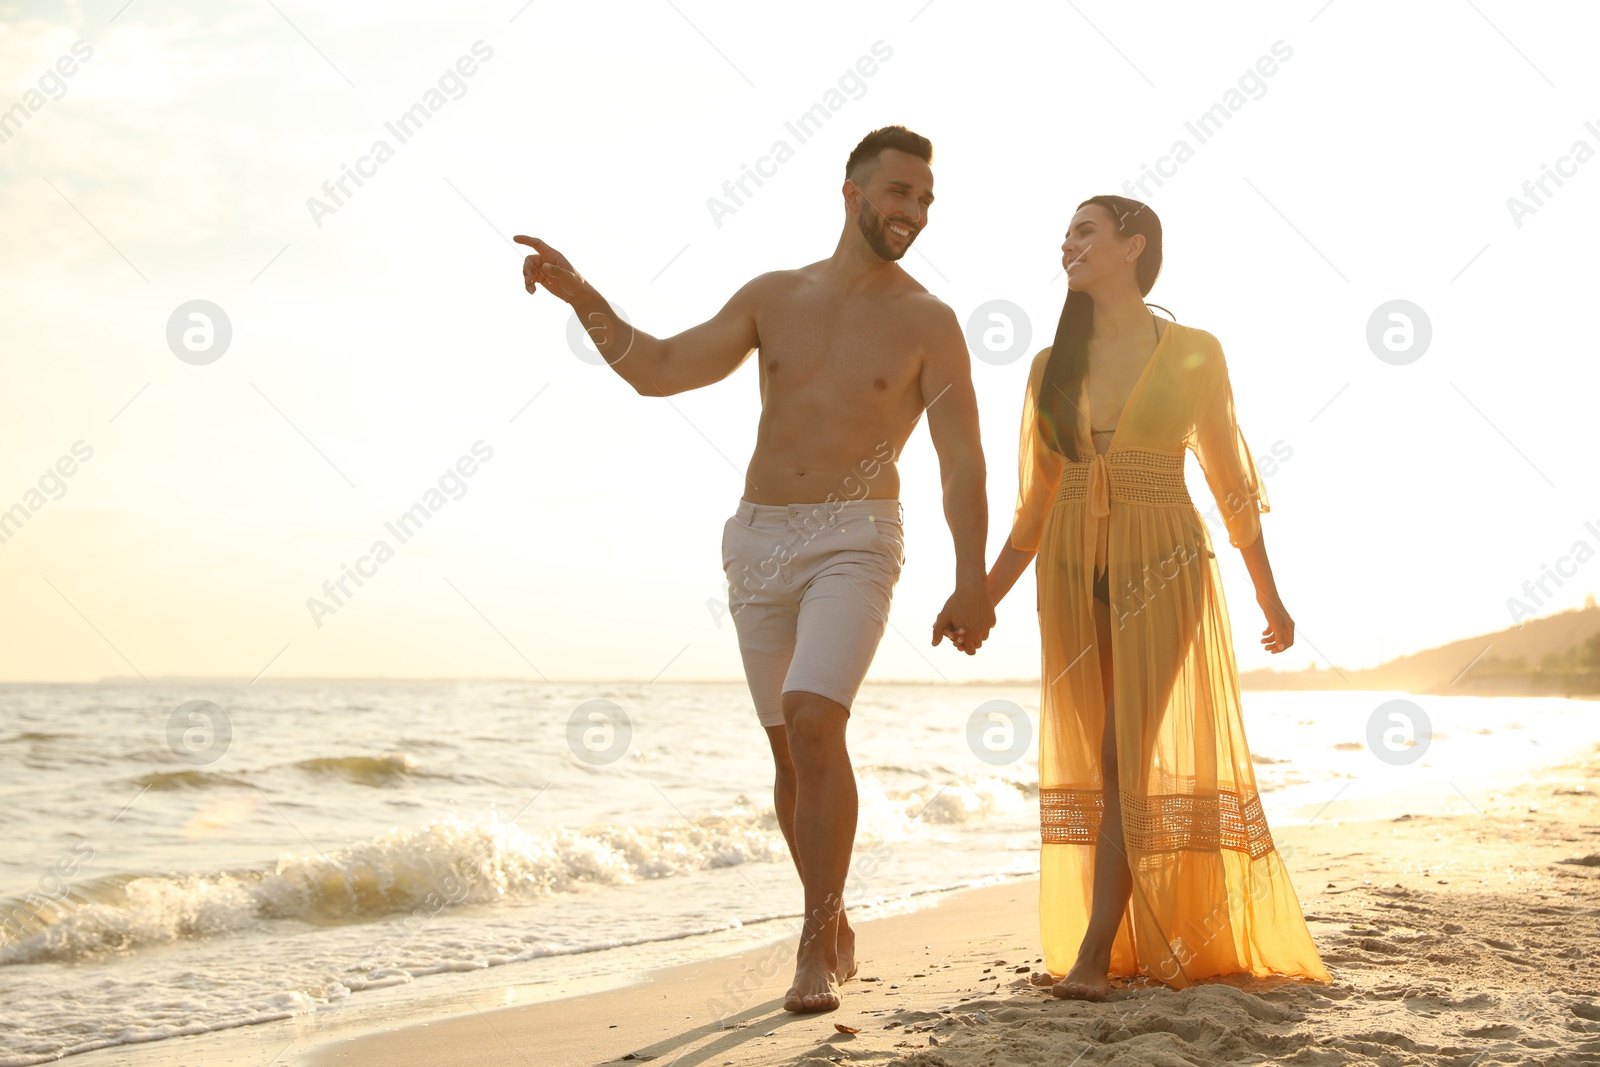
(853, 351)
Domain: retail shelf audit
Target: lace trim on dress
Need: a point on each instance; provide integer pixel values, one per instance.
(1137, 476)
(1165, 823)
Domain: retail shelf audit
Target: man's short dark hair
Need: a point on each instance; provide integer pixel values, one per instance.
(864, 160)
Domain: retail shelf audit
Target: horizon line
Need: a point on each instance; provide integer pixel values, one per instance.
(223, 679)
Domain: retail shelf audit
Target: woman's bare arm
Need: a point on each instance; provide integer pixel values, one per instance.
(1279, 634)
(1008, 567)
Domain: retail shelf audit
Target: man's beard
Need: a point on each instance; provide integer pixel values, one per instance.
(871, 224)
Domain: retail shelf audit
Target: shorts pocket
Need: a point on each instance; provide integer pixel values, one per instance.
(727, 529)
(892, 537)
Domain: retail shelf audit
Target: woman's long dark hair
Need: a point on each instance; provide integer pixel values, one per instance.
(1064, 371)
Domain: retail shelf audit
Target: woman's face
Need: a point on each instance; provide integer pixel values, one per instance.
(1092, 250)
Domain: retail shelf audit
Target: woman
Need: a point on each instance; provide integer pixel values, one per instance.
(1156, 856)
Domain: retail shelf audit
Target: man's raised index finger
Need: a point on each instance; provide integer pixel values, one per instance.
(532, 242)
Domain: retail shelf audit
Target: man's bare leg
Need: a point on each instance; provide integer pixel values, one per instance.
(824, 833)
(783, 789)
(1113, 882)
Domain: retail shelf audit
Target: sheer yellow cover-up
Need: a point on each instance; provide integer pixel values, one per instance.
(1211, 895)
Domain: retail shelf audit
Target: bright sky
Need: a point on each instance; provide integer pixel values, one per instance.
(373, 345)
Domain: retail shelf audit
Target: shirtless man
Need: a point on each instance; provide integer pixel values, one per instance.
(853, 351)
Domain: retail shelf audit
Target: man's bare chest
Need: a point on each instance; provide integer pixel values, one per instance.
(853, 346)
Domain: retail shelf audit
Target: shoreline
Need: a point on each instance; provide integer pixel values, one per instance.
(404, 1012)
(730, 1006)
(1449, 937)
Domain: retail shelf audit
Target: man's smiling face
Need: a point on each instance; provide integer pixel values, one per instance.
(896, 192)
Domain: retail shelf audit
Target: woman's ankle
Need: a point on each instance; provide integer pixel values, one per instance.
(1093, 957)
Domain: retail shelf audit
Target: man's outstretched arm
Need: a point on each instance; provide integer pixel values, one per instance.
(654, 366)
(953, 424)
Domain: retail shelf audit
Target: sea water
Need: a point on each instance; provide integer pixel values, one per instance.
(317, 841)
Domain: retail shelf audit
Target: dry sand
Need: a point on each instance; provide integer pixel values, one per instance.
(1467, 939)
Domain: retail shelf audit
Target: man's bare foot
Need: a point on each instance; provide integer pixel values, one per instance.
(845, 946)
(1084, 982)
(814, 988)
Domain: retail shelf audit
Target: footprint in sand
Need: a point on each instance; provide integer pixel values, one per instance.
(1437, 1002)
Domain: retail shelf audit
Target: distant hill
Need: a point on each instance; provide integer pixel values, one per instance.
(1557, 655)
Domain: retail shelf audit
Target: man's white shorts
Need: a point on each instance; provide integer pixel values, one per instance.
(809, 587)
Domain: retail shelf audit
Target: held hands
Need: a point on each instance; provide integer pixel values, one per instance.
(1279, 634)
(550, 268)
(966, 620)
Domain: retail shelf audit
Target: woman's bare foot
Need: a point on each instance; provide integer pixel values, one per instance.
(1085, 981)
(814, 987)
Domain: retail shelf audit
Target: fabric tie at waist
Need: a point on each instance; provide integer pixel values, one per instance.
(1098, 499)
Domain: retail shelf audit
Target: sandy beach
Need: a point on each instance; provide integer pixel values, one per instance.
(1471, 937)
